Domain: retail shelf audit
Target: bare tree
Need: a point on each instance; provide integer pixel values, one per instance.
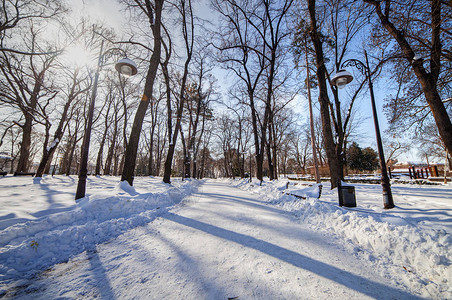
(330, 145)
(24, 86)
(154, 16)
(13, 14)
(188, 27)
(74, 89)
(199, 94)
(155, 129)
(300, 146)
(207, 164)
(236, 56)
(73, 138)
(241, 134)
(394, 146)
(109, 100)
(421, 29)
(255, 33)
(114, 130)
(342, 23)
(226, 127)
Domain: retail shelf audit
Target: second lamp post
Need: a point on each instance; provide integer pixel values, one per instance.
(341, 79)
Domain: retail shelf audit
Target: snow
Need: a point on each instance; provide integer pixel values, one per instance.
(412, 240)
(66, 228)
(220, 239)
(54, 143)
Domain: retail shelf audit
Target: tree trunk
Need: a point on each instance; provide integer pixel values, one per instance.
(274, 152)
(186, 155)
(45, 152)
(151, 151)
(268, 145)
(330, 147)
(132, 146)
(257, 148)
(102, 142)
(71, 155)
(169, 156)
(160, 148)
(226, 163)
(99, 156)
(189, 48)
(111, 148)
(24, 156)
(269, 157)
(428, 80)
(117, 163)
(42, 165)
(109, 159)
(49, 163)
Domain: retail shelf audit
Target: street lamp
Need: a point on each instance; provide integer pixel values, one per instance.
(341, 79)
(126, 67)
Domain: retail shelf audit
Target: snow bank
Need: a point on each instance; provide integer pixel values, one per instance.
(28, 247)
(418, 257)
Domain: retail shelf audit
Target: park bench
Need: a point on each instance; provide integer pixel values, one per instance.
(24, 174)
(3, 173)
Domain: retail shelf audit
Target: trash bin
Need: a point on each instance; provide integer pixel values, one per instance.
(348, 194)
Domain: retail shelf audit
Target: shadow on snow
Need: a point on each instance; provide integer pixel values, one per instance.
(345, 278)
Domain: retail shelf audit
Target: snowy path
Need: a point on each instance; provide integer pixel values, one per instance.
(222, 243)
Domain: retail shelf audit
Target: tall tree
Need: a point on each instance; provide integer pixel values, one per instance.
(24, 86)
(342, 25)
(199, 94)
(75, 88)
(109, 100)
(275, 18)
(250, 45)
(330, 145)
(421, 29)
(154, 17)
(118, 114)
(155, 134)
(188, 27)
(13, 14)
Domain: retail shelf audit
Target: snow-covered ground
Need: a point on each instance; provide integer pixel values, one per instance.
(41, 223)
(220, 239)
(411, 243)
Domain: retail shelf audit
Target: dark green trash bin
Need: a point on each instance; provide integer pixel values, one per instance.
(348, 194)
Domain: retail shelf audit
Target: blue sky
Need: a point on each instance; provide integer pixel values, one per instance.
(108, 11)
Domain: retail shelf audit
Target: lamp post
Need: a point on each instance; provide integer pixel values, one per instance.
(341, 79)
(126, 67)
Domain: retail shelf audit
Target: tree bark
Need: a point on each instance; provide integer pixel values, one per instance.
(330, 147)
(132, 146)
(428, 80)
(257, 148)
(102, 142)
(189, 48)
(23, 163)
(71, 155)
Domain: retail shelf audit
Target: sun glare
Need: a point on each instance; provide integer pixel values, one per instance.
(78, 56)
